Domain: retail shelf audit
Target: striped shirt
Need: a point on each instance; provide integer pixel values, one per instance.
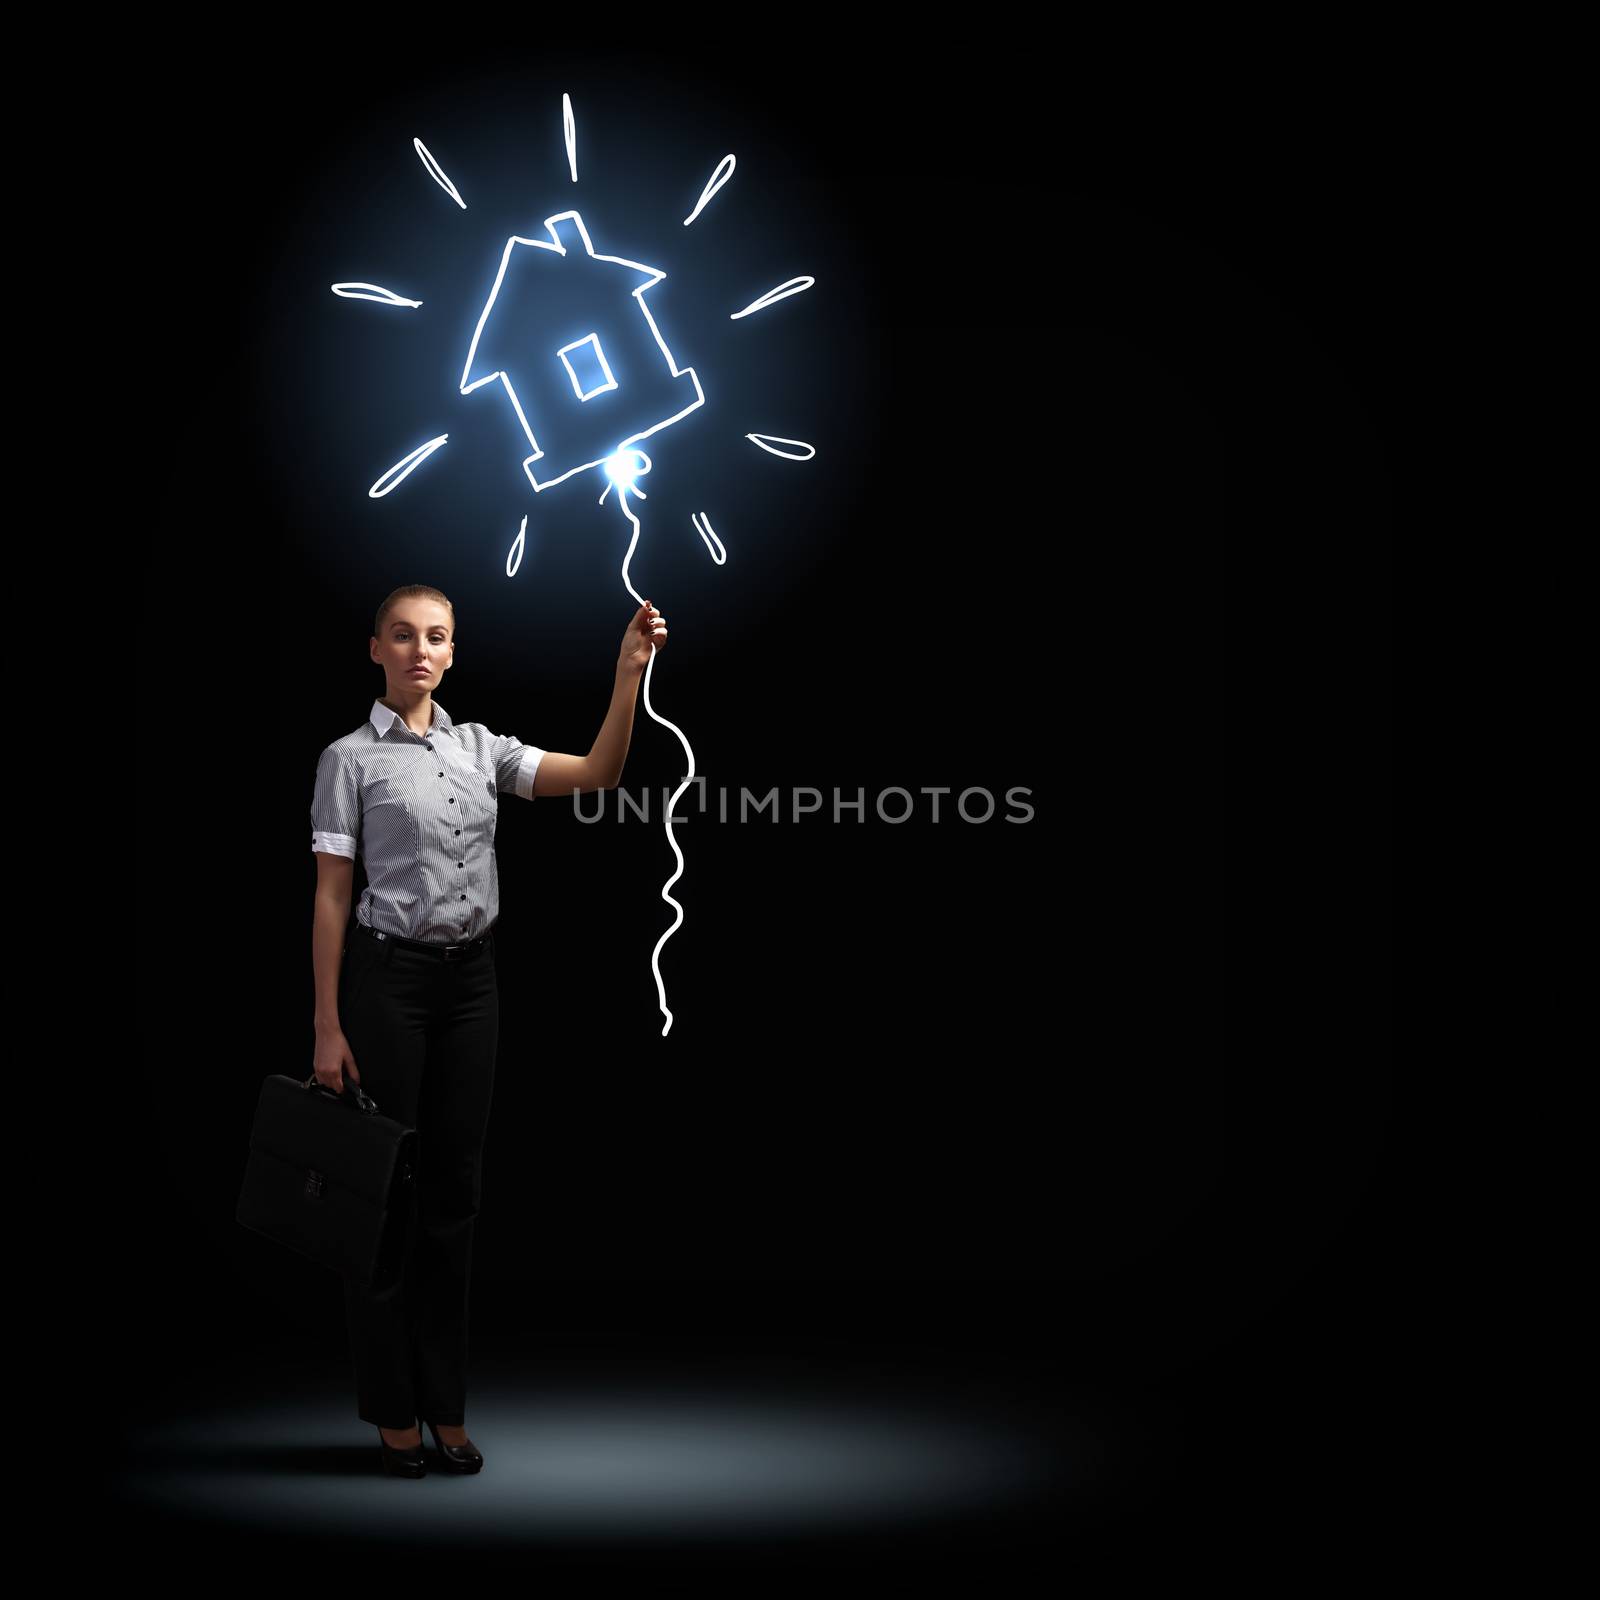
(421, 811)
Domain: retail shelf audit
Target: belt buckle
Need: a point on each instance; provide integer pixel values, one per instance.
(452, 952)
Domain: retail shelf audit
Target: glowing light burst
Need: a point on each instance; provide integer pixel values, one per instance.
(622, 471)
(623, 463)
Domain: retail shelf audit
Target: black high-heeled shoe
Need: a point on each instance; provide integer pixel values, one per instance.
(406, 1461)
(457, 1457)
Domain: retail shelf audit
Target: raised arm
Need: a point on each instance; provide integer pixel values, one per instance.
(560, 773)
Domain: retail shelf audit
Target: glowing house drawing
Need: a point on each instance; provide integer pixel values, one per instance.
(586, 372)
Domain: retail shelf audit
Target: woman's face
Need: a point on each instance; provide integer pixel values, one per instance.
(416, 633)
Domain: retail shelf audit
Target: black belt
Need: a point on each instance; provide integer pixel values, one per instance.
(441, 952)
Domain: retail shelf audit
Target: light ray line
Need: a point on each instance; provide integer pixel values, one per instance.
(437, 173)
(713, 183)
(403, 469)
(570, 128)
(768, 440)
(347, 291)
(518, 545)
(629, 481)
(702, 526)
(773, 296)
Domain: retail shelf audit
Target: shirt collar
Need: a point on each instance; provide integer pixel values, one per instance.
(383, 718)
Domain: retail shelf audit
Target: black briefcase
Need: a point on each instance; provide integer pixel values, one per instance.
(331, 1178)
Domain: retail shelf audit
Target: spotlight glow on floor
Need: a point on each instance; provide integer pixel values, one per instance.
(563, 1465)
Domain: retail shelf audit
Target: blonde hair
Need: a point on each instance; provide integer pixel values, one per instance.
(414, 591)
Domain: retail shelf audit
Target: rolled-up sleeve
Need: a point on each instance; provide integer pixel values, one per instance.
(336, 805)
(515, 764)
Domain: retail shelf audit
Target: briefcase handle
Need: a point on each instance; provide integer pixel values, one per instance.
(354, 1094)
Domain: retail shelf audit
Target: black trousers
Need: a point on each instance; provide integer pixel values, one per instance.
(423, 1031)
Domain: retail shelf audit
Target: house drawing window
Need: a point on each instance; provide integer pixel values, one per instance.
(592, 375)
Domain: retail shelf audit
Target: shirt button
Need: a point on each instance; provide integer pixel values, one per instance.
(461, 863)
(458, 830)
(453, 801)
(463, 897)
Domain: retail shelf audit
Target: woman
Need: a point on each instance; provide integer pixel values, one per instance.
(416, 1002)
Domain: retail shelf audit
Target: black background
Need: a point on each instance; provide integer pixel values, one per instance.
(1102, 369)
